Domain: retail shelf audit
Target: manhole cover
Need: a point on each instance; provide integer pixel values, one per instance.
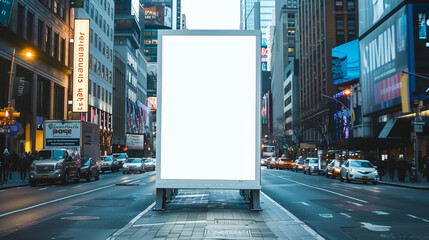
(227, 233)
(80, 218)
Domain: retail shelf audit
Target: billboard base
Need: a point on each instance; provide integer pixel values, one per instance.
(165, 195)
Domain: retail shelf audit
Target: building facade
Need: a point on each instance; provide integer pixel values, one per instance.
(43, 28)
(101, 15)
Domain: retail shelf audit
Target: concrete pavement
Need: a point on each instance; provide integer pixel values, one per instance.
(15, 181)
(215, 214)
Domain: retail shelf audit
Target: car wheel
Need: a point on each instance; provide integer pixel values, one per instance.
(77, 179)
(88, 177)
(374, 183)
(348, 179)
(65, 179)
(33, 182)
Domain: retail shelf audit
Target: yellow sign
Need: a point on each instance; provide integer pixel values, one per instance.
(80, 65)
(404, 93)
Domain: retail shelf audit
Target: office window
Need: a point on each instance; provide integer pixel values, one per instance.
(40, 27)
(99, 68)
(91, 35)
(89, 87)
(30, 26)
(95, 64)
(21, 17)
(110, 98)
(107, 94)
(95, 40)
(99, 44)
(90, 61)
(92, 11)
(291, 49)
(94, 90)
(339, 5)
(56, 46)
(48, 41)
(63, 51)
(96, 16)
(98, 92)
(350, 5)
(102, 71)
(102, 94)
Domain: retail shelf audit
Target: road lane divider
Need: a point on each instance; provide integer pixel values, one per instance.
(325, 190)
(53, 201)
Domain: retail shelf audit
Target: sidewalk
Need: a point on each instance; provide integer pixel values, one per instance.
(422, 184)
(15, 181)
(215, 214)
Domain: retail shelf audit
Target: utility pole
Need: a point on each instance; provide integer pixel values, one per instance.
(9, 98)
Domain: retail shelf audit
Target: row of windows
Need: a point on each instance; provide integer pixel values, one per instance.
(48, 40)
(100, 93)
(56, 6)
(100, 69)
(100, 45)
(350, 5)
(97, 17)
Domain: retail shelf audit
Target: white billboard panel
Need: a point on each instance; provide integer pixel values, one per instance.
(80, 65)
(214, 142)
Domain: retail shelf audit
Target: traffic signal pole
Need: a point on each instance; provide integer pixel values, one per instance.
(9, 98)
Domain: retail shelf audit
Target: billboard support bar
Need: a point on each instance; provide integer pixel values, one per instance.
(255, 200)
(160, 199)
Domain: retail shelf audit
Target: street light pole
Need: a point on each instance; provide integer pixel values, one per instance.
(9, 98)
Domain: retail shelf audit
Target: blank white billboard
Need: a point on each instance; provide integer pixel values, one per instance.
(208, 107)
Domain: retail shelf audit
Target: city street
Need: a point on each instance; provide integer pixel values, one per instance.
(93, 210)
(339, 210)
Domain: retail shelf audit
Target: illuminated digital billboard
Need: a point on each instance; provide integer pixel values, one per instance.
(157, 14)
(80, 65)
(345, 62)
(372, 11)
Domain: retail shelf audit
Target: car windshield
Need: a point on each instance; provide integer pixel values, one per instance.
(313, 160)
(119, 155)
(85, 161)
(338, 163)
(47, 154)
(148, 160)
(108, 159)
(134, 160)
(360, 164)
(301, 162)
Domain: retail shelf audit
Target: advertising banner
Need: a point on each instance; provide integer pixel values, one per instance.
(5, 9)
(193, 150)
(58, 134)
(135, 141)
(157, 14)
(384, 55)
(80, 65)
(345, 62)
(371, 11)
(421, 47)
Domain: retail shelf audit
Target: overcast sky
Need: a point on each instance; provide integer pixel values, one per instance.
(212, 14)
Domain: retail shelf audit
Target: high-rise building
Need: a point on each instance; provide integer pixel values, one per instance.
(262, 12)
(43, 28)
(319, 32)
(100, 83)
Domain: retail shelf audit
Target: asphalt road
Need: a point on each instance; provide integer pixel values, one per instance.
(93, 210)
(339, 210)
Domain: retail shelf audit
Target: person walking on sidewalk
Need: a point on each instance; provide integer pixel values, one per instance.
(6, 164)
(425, 162)
(402, 169)
(392, 166)
(22, 166)
(380, 168)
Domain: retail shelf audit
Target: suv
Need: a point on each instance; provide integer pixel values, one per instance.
(311, 165)
(55, 164)
(120, 158)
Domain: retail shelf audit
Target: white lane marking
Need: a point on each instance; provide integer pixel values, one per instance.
(326, 215)
(125, 181)
(423, 219)
(41, 189)
(304, 203)
(325, 190)
(295, 219)
(52, 201)
(346, 215)
(78, 186)
(356, 204)
(375, 228)
(169, 223)
(381, 213)
(62, 190)
(125, 228)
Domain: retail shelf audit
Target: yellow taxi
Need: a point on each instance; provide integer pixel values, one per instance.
(284, 163)
(333, 168)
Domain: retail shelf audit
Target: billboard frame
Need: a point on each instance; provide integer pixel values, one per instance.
(253, 186)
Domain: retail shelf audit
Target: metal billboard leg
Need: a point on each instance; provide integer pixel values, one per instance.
(246, 196)
(255, 203)
(169, 194)
(160, 199)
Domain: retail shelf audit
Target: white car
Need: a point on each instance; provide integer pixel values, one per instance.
(359, 170)
(133, 165)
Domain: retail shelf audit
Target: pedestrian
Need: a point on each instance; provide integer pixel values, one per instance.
(1, 169)
(392, 166)
(380, 168)
(425, 162)
(22, 166)
(402, 169)
(6, 164)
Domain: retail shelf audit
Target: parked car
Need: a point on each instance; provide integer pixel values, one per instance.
(149, 164)
(284, 163)
(359, 170)
(272, 163)
(120, 158)
(133, 165)
(89, 169)
(264, 161)
(298, 165)
(109, 164)
(55, 164)
(334, 167)
(311, 165)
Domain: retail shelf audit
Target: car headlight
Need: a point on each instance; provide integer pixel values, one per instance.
(352, 170)
(138, 165)
(375, 172)
(59, 165)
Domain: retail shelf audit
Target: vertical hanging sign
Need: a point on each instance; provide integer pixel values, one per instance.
(80, 65)
(5, 9)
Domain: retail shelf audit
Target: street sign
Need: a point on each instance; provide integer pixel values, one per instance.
(418, 126)
(4, 129)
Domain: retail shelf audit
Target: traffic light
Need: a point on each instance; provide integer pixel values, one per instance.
(7, 116)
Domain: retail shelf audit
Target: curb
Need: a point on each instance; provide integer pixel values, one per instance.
(13, 186)
(404, 186)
